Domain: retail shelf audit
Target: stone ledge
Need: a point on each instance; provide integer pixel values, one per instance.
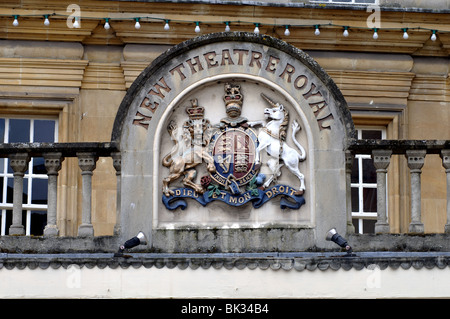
(67, 149)
(263, 261)
(399, 146)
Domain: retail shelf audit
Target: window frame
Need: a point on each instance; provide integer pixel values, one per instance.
(7, 174)
(360, 185)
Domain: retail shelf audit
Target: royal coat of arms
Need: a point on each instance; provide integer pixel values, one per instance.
(231, 151)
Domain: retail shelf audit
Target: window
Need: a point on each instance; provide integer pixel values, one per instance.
(15, 130)
(364, 184)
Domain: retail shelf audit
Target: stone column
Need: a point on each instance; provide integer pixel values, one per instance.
(445, 155)
(87, 163)
(349, 157)
(416, 159)
(53, 165)
(117, 163)
(381, 160)
(19, 165)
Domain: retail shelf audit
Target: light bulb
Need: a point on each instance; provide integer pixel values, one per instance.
(405, 34)
(46, 21)
(76, 24)
(137, 25)
(317, 31)
(227, 27)
(433, 36)
(287, 32)
(166, 26)
(375, 34)
(345, 34)
(15, 22)
(197, 27)
(107, 26)
(256, 28)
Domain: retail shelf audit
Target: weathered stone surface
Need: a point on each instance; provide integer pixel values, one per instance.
(198, 69)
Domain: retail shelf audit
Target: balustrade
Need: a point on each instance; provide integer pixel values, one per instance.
(415, 153)
(54, 154)
(87, 154)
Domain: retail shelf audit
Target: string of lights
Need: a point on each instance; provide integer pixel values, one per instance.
(228, 24)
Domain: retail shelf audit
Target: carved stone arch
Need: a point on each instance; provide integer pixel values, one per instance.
(196, 72)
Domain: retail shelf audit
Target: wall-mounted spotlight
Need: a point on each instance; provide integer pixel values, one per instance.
(333, 236)
(139, 239)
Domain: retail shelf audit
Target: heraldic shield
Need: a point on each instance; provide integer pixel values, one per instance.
(230, 149)
(234, 153)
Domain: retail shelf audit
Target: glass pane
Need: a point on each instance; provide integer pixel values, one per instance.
(1, 189)
(39, 191)
(25, 191)
(19, 131)
(355, 170)
(9, 190)
(369, 171)
(371, 134)
(38, 222)
(369, 226)
(44, 131)
(39, 165)
(355, 200)
(2, 130)
(8, 221)
(355, 222)
(370, 199)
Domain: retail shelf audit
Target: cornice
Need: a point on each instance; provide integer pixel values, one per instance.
(326, 261)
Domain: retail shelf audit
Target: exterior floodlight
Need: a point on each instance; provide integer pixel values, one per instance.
(333, 236)
(139, 239)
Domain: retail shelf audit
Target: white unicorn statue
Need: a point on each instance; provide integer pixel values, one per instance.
(272, 137)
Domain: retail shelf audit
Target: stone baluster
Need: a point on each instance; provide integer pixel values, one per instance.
(416, 159)
(87, 163)
(19, 165)
(381, 160)
(117, 163)
(53, 165)
(445, 155)
(349, 157)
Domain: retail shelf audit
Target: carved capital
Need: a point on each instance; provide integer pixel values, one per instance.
(87, 161)
(53, 162)
(416, 159)
(349, 158)
(445, 155)
(19, 162)
(117, 161)
(381, 159)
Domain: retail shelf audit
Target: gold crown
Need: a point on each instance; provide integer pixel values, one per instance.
(195, 112)
(233, 99)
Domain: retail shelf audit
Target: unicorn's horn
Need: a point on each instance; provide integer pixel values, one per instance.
(268, 100)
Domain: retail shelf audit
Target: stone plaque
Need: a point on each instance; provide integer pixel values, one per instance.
(233, 131)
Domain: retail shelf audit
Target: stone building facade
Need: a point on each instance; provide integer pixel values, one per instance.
(96, 103)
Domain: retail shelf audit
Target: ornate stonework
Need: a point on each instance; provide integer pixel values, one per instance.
(234, 131)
